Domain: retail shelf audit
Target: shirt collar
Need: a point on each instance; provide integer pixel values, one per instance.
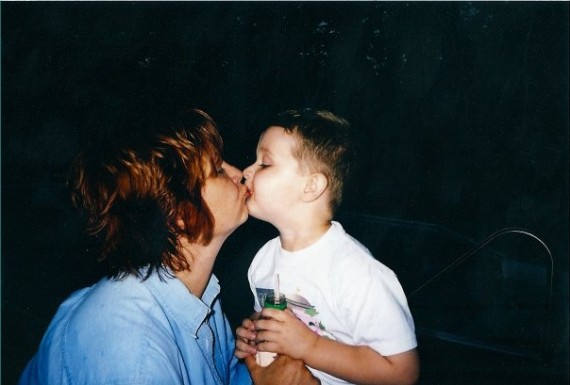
(181, 306)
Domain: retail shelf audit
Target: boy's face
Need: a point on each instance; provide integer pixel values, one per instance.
(275, 180)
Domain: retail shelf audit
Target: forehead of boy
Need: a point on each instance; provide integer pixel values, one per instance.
(275, 137)
(288, 145)
(278, 147)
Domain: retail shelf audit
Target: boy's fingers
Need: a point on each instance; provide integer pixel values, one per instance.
(245, 346)
(273, 314)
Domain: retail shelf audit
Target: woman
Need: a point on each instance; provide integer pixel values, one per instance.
(162, 206)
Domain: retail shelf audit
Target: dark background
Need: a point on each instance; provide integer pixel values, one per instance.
(461, 109)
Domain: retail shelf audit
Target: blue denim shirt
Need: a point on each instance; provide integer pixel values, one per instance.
(133, 332)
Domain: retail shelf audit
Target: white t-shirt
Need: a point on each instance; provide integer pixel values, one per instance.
(337, 288)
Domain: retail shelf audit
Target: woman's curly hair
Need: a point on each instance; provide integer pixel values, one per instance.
(135, 195)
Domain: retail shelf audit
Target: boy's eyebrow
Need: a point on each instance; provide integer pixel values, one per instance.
(264, 149)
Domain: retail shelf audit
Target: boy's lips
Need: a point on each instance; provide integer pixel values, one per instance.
(248, 193)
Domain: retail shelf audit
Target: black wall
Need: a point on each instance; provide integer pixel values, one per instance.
(461, 109)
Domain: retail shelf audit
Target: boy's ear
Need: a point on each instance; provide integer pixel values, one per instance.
(315, 185)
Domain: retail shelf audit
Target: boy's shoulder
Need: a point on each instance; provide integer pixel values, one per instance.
(345, 241)
(270, 245)
(350, 254)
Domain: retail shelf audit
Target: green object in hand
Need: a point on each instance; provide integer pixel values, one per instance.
(273, 302)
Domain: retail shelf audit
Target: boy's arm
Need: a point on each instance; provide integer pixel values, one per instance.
(362, 364)
(285, 334)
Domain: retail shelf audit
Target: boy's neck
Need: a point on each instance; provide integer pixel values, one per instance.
(302, 235)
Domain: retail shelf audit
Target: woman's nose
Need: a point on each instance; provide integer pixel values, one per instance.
(248, 172)
(233, 172)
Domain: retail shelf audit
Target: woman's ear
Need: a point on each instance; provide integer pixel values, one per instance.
(180, 223)
(315, 185)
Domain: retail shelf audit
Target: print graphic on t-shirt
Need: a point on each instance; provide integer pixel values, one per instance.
(303, 309)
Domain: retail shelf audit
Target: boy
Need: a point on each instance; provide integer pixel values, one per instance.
(349, 319)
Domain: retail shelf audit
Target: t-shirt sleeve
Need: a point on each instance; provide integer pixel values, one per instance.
(376, 309)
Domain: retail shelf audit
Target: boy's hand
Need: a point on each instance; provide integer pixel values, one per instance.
(284, 333)
(245, 339)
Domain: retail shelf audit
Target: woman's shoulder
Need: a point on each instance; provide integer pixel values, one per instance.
(112, 312)
(97, 327)
(106, 300)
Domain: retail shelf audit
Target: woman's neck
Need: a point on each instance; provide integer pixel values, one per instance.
(201, 261)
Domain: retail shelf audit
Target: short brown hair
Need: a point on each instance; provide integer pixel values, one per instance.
(324, 145)
(133, 194)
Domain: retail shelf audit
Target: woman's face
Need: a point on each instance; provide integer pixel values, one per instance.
(225, 197)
